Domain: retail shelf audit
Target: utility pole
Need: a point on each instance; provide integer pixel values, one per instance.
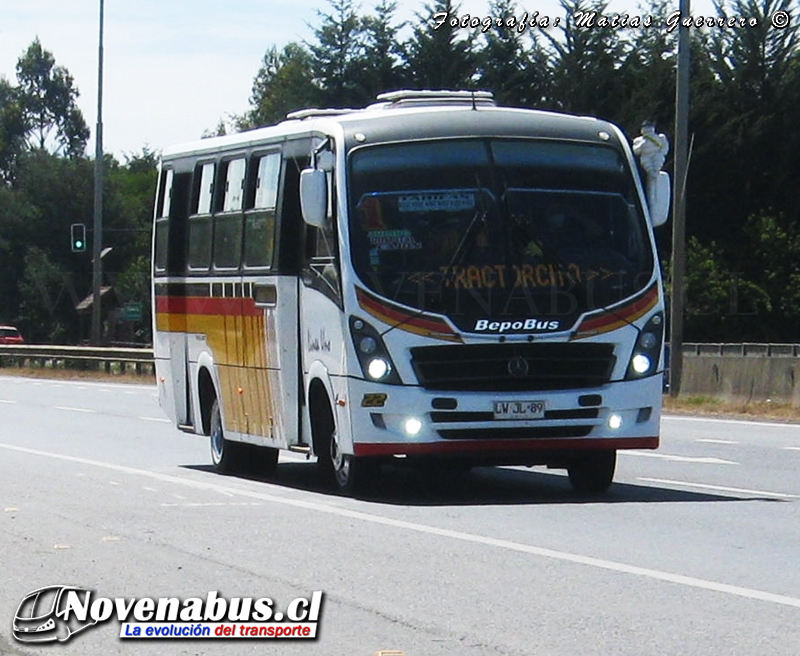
(679, 207)
(97, 239)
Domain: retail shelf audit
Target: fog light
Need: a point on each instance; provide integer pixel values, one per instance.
(377, 368)
(614, 422)
(641, 364)
(412, 426)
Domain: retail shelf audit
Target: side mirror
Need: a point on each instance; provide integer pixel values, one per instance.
(658, 193)
(314, 197)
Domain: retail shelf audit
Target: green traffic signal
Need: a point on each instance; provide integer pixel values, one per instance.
(78, 237)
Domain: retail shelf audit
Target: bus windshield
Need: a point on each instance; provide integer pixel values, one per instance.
(498, 229)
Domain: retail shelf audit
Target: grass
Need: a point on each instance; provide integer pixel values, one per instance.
(743, 409)
(117, 375)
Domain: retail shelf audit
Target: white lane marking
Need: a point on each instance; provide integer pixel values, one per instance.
(315, 506)
(710, 441)
(791, 448)
(738, 422)
(64, 407)
(210, 504)
(9, 402)
(158, 419)
(667, 456)
(720, 488)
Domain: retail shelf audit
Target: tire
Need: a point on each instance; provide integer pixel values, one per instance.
(344, 472)
(593, 473)
(225, 455)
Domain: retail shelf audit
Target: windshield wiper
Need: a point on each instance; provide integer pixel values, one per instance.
(468, 240)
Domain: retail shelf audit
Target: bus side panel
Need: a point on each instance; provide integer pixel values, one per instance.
(213, 326)
(271, 361)
(323, 338)
(169, 349)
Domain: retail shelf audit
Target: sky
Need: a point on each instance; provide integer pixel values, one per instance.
(174, 68)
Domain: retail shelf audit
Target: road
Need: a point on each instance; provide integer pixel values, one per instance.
(693, 550)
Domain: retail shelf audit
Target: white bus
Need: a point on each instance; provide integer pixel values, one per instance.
(432, 278)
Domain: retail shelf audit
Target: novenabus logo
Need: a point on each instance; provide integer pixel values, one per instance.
(43, 615)
(58, 612)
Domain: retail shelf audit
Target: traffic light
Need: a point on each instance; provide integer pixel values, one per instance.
(78, 237)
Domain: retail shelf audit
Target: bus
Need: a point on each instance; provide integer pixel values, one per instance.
(433, 279)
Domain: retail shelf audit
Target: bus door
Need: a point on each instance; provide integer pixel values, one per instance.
(270, 304)
(170, 340)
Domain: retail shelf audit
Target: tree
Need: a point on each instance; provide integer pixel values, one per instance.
(586, 58)
(722, 304)
(12, 130)
(47, 300)
(757, 71)
(284, 83)
(648, 72)
(47, 97)
(443, 57)
(381, 65)
(337, 54)
(516, 75)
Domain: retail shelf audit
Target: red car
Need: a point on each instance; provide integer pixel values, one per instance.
(10, 335)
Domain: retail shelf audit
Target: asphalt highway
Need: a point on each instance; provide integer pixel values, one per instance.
(692, 551)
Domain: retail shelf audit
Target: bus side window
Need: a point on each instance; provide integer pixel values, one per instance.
(259, 226)
(228, 223)
(322, 249)
(170, 228)
(291, 227)
(200, 228)
(162, 220)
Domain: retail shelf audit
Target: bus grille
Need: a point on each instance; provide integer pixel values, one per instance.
(513, 367)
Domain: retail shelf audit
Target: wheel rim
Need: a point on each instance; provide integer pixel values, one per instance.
(340, 462)
(217, 440)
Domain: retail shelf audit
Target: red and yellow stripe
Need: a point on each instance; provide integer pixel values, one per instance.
(235, 332)
(425, 325)
(614, 318)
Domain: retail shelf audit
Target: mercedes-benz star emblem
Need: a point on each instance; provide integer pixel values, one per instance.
(518, 367)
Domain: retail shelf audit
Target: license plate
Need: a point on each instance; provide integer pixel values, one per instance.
(519, 409)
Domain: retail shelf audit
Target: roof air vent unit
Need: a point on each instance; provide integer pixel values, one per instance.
(409, 97)
(300, 114)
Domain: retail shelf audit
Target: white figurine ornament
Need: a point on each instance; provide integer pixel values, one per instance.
(652, 149)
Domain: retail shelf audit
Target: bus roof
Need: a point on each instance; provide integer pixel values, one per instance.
(404, 115)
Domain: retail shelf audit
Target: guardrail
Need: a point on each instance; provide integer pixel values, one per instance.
(749, 371)
(109, 359)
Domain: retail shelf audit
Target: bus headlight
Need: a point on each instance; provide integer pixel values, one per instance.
(647, 351)
(640, 364)
(373, 356)
(378, 368)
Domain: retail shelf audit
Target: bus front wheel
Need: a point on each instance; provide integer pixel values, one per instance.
(346, 472)
(225, 455)
(592, 473)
